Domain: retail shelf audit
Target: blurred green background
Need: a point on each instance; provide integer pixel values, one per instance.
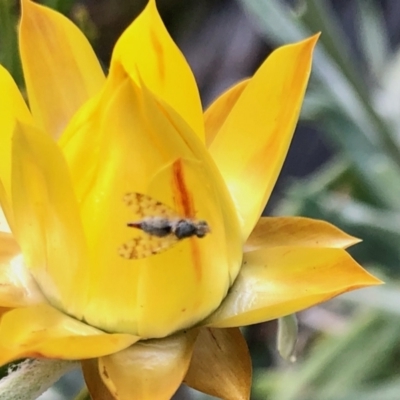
(343, 166)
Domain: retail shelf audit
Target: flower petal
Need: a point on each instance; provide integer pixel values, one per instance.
(275, 282)
(4, 227)
(151, 370)
(47, 219)
(17, 287)
(96, 387)
(297, 232)
(43, 331)
(147, 153)
(252, 143)
(60, 68)
(12, 108)
(147, 52)
(135, 114)
(217, 113)
(221, 364)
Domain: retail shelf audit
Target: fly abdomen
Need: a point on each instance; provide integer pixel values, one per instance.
(159, 227)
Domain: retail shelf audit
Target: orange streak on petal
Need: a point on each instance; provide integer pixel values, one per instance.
(160, 60)
(181, 191)
(185, 199)
(60, 68)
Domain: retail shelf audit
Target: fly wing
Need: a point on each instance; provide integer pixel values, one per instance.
(143, 244)
(145, 206)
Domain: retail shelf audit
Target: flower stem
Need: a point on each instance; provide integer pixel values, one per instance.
(31, 378)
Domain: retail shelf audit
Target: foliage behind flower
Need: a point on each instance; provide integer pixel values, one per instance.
(86, 141)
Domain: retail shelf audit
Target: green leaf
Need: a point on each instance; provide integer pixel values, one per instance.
(372, 35)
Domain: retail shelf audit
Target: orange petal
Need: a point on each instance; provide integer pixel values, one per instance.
(221, 364)
(252, 143)
(217, 113)
(43, 331)
(96, 387)
(275, 282)
(60, 68)
(297, 232)
(47, 218)
(12, 108)
(151, 370)
(147, 52)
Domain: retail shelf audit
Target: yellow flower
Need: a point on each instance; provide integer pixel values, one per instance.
(86, 141)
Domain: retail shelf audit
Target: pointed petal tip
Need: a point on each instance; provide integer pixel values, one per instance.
(146, 48)
(352, 240)
(297, 232)
(309, 43)
(370, 280)
(261, 140)
(53, 51)
(294, 280)
(28, 6)
(314, 38)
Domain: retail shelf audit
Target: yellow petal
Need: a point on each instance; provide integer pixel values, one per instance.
(145, 153)
(3, 310)
(80, 145)
(217, 113)
(221, 364)
(252, 143)
(12, 108)
(12, 288)
(4, 226)
(147, 52)
(47, 220)
(17, 287)
(297, 232)
(43, 331)
(150, 370)
(275, 282)
(60, 68)
(122, 111)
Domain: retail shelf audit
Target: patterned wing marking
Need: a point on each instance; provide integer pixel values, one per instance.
(143, 244)
(145, 206)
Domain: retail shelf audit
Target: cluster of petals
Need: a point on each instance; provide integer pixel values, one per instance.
(142, 326)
